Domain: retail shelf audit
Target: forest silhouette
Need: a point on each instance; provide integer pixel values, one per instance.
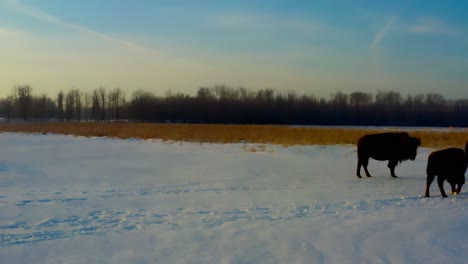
(222, 104)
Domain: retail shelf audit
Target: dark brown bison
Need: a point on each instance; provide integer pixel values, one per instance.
(447, 164)
(392, 146)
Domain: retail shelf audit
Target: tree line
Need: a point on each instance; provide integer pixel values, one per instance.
(226, 105)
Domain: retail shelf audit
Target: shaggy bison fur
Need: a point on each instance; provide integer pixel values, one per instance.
(392, 146)
(447, 164)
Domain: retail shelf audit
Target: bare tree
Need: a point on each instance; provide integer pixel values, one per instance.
(435, 99)
(24, 100)
(87, 106)
(78, 104)
(6, 107)
(96, 106)
(360, 99)
(60, 109)
(102, 102)
(70, 106)
(388, 98)
(339, 99)
(115, 103)
(40, 107)
(205, 94)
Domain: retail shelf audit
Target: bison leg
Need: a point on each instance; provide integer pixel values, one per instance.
(358, 172)
(392, 164)
(440, 182)
(430, 178)
(461, 182)
(362, 162)
(365, 163)
(459, 188)
(454, 188)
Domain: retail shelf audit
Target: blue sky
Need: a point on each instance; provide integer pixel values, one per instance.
(313, 47)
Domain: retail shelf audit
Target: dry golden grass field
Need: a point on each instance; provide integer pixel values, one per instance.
(262, 134)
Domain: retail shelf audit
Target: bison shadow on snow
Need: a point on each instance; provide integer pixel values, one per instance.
(392, 146)
(447, 164)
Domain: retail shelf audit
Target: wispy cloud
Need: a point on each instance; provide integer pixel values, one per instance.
(375, 46)
(378, 38)
(433, 26)
(31, 11)
(261, 21)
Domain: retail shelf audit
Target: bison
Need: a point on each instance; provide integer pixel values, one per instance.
(392, 146)
(448, 164)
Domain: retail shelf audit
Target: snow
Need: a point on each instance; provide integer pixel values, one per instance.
(67, 199)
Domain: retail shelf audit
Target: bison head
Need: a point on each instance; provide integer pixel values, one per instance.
(410, 148)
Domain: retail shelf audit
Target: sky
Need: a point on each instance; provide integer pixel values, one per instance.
(313, 47)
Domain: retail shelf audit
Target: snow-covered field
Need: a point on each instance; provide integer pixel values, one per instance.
(70, 199)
